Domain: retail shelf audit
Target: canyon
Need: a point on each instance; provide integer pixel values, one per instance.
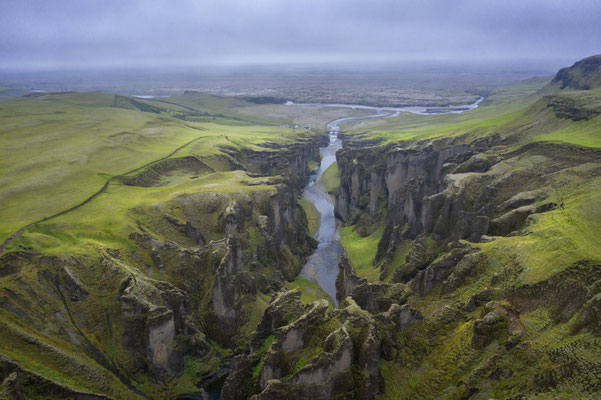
(467, 265)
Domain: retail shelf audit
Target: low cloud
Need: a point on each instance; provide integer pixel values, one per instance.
(63, 34)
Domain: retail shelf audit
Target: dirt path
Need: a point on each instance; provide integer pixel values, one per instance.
(18, 233)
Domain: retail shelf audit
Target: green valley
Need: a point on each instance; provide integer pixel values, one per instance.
(157, 248)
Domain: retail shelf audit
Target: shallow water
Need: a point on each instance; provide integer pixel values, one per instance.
(322, 265)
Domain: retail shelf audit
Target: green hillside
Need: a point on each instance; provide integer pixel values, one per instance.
(153, 248)
(536, 269)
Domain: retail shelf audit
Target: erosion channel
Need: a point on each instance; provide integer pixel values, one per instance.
(322, 265)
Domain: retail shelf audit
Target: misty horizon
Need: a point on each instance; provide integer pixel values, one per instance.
(280, 79)
(109, 35)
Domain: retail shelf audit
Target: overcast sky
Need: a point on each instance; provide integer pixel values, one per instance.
(79, 33)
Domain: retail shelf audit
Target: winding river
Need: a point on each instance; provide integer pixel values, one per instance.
(322, 265)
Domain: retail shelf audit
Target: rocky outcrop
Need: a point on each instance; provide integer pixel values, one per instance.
(378, 297)
(281, 242)
(322, 354)
(372, 297)
(290, 160)
(583, 75)
(572, 107)
(486, 328)
(347, 280)
(457, 263)
(514, 219)
(71, 285)
(157, 325)
(16, 383)
(156, 174)
(283, 308)
(413, 184)
(402, 316)
(297, 334)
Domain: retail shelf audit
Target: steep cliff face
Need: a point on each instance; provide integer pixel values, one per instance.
(143, 319)
(310, 352)
(411, 187)
(157, 325)
(475, 297)
(583, 75)
(290, 160)
(274, 252)
(362, 181)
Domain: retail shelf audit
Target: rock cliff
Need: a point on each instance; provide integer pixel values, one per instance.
(458, 293)
(193, 274)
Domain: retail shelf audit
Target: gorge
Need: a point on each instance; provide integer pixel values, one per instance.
(464, 265)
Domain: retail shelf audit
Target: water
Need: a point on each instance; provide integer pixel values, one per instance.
(322, 265)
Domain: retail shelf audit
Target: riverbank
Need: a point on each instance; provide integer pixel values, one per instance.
(322, 265)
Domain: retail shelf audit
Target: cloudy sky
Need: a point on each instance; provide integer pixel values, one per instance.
(79, 33)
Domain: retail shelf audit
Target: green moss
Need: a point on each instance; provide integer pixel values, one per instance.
(556, 239)
(330, 179)
(254, 311)
(195, 370)
(306, 356)
(312, 216)
(398, 258)
(259, 353)
(310, 291)
(362, 251)
(301, 362)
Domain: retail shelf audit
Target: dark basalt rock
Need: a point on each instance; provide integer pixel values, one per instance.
(71, 286)
(350, 346)
(283, 308)
(411, 182)
(583, 75)
(402, 316)
(487, 328)
(515, 219)
(236, 386)
(575, 109)
(438, 271)
(156, 325)
(347, 280)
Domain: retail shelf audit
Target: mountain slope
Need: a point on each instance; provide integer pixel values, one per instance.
(583, 75)
(472, 256)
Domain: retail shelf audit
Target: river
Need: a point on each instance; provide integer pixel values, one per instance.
(322, 265)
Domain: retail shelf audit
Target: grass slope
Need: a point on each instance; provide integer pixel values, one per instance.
(330, 179)
(59, 149)
(544, 279)
(312, 215)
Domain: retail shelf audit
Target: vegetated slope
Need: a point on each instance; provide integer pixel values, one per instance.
(472, 268)
(484, 225)
(583, 75)
(203, 107)
(148, 290)
(63, 147)
(328, 182)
